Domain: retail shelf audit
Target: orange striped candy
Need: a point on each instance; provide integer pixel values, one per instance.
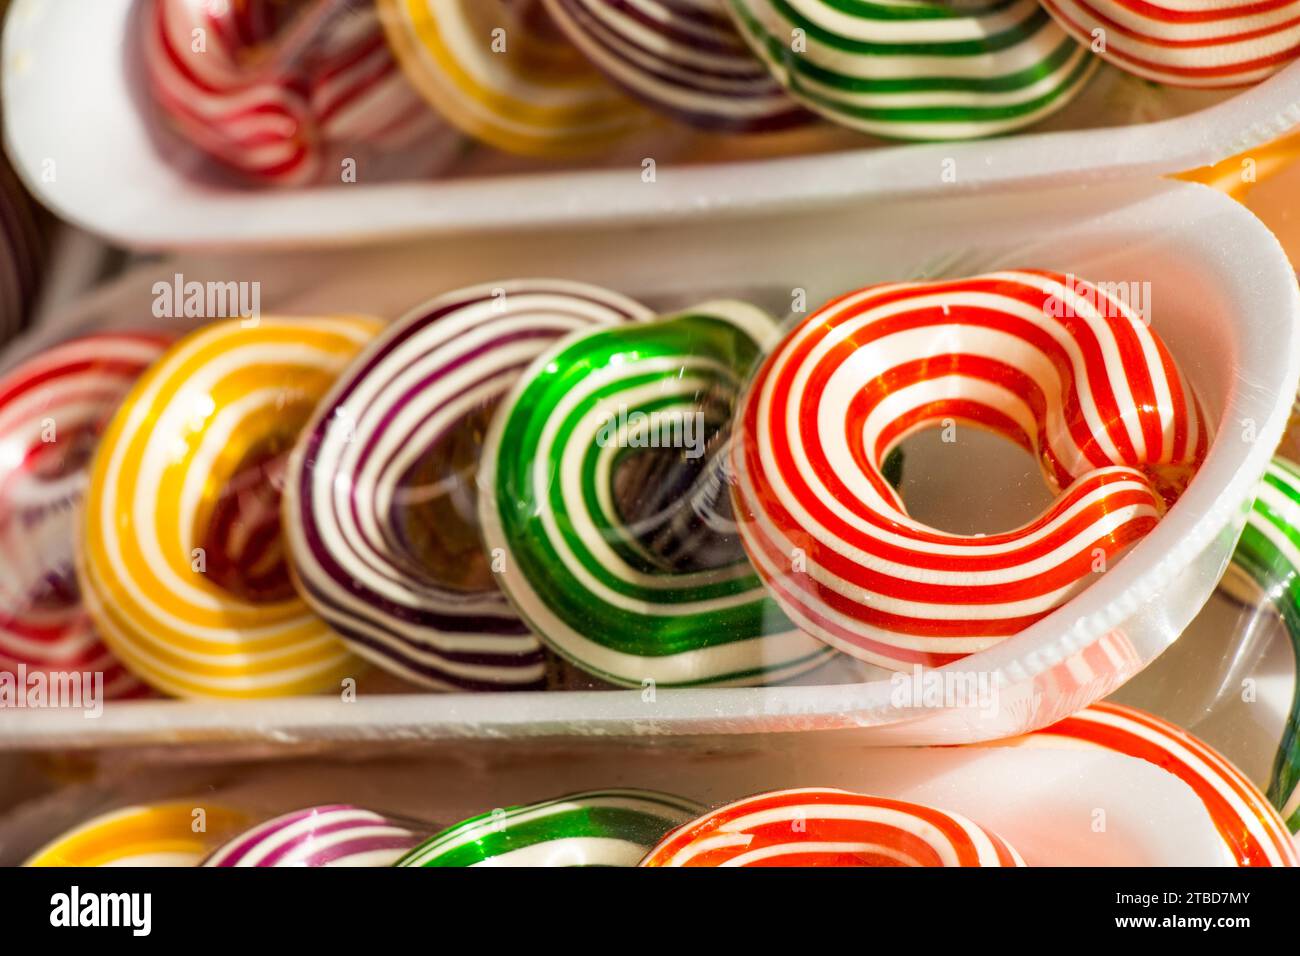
(1253, 833)
(823, 827)
(1206, 43)
(1068, 370)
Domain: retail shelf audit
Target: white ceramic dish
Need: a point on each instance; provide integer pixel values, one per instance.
(77, 135)
(1044, 802)
(1223, 296)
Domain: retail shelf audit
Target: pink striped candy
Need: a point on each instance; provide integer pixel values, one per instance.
(330, 835)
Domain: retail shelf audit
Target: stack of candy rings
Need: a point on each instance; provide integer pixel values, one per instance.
(826, 827)
(22, 253)
(334, 835)
(52, 410)
(383, 546)
(598, 828)
(1208, 43)
(182, 565)
(1253, 833)
(919, 69)
(682, 57)
(1269, 555)
(1052, 363)
(579, 567)
(268, 88)
(165, 834)
(502, 72)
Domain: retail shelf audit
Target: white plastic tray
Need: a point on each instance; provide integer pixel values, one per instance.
(1043, 801)
(1223, 296)
(72, 98)
(1230, 680)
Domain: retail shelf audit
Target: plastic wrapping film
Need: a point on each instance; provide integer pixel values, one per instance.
(341, 120)
(659, 472)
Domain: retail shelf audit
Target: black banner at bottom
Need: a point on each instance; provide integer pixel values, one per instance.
(334, 906)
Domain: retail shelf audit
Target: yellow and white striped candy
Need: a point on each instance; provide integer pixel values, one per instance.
(162, 834)
(502, 72)
(230, 393)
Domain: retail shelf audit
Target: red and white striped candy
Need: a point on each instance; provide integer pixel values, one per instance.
(271, 89)
(1187, 42)
(197, 57)
(1054, 364)
(52, 410)
(825, 827)
(1253, 833)
(359, 94)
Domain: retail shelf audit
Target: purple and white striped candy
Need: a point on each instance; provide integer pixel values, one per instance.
(380, 495)
(331, 835)
(684, 57)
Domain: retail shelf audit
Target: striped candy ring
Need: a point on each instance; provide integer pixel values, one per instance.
(827, 827)
(53, 408)
(332, 835)
(1253, 833)
(502, 72)
(1060, 367)
(1269, 556)
(380, 507)
(594, 562)
(682, 57)
(162, 834)
(918, 69)
(1206, 43)
(360, 96)
(257, 125)
(268, 89)
(182, 564)
(597, 828)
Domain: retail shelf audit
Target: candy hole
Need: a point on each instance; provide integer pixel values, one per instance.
(38, 525)
(243, 549)
(69, 454)
(968, 480)
(676, 504)
(434, 520)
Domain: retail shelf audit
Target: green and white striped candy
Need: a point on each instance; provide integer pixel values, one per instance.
(1269, 554)
(613, 443)
(918, 69)
(597, 828)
